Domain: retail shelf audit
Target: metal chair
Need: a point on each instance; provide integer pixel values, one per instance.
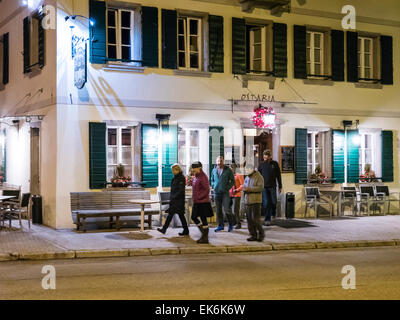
(377, 199)
(314, 199)
(163, 197)
(349, 198)
(13, 210)
(388, 195)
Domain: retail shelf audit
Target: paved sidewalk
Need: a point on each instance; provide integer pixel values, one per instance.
(45, 243)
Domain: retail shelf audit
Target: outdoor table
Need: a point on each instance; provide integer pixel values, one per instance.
(334, 195)
(143, 203)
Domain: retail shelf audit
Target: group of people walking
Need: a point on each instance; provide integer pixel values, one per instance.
(234, 195)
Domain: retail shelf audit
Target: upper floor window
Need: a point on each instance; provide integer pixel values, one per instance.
(190, 43)
(119, 150)
(365, 58)
(258, 55)
(315, 53)
(120, 34)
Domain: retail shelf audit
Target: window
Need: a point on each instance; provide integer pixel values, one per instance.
(119, 150)
(120, 34)
(190, 46)
(188, 148)
(365, 58)
(315, 53)
(315, 153)
(366, 155)
(258, 55)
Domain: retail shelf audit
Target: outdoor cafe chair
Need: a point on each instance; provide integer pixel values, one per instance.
(164, 204)
(372, 198)
(13, 210)
(389, 196)
(314, 200)
(349, 198)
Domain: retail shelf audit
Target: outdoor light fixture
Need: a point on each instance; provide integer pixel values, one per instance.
(28, 119)
(264, 117)
(73, 17)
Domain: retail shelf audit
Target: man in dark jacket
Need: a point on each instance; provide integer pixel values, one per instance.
(271, 173)
(177, 201)
(222, 180)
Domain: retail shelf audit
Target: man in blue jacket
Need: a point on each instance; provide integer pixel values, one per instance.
(222, 180)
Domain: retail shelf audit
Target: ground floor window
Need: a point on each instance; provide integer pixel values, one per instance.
(188, 148)
(119, 151)
(315, 153)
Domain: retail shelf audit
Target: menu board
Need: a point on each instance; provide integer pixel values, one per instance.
(286, 157)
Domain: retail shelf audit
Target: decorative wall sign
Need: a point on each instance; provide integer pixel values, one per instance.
(80, 65)
(257, 98)
(286, 159)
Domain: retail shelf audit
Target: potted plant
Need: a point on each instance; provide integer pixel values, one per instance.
(368, 174)
(318, 176)
(120, 180)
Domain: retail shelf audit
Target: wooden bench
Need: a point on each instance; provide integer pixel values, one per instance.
(108, 204)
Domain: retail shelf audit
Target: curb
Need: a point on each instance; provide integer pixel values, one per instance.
(111, 253)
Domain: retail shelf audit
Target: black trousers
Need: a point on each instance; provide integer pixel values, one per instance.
(171, 216)
(253, 213)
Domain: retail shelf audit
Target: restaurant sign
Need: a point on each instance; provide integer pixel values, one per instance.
(257, 97)
(80, 65)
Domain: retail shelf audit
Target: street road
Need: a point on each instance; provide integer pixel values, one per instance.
(313, 274)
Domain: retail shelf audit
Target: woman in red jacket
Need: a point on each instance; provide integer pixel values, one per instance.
(201, 201)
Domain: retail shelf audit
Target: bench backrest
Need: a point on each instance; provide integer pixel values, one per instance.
(107, 200)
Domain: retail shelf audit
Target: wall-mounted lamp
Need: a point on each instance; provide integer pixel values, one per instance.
(28, 119)
(73, 17)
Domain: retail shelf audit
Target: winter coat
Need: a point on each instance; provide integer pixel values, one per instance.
(177, 194)
(255, 185)
(236, 190)
(224, 182)
(201, 188)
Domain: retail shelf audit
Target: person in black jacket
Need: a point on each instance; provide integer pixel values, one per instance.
(271, 173)
(177, 201)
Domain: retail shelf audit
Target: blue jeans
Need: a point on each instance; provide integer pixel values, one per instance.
(269, 199)
(223, 201)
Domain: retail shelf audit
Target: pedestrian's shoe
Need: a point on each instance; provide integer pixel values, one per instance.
(204, 237)
(200, 226)
(185, 232)
(230, 228)
(162, 230)
(267, 223)
(238, 226)
(219, 229)
(261, 238)
(252, 239)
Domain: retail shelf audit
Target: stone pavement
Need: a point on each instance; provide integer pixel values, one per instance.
(44, 243)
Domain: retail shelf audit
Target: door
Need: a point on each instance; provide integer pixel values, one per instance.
(35, 158)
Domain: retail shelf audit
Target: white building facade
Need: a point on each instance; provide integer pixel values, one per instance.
(68, 120)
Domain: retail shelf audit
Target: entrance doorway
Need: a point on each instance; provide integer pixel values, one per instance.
(257, 145)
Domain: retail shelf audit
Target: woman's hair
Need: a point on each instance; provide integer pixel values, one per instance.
(176, 166)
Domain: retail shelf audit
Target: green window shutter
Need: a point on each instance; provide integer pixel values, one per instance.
(216, 43)
(386, 60)
(301, 156)
(150, 36)
(353, 157)
(280, 50)
(6, 53)
(27, 44)
(337, 37)
(98, 39)
(41, 44)
(238, 46)
(169, 39)
(387, 156)
(150, 155)
(338, 155)
(352, 56)
(170, 152)
(300, 52)
(216, 145)
(97, 155)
